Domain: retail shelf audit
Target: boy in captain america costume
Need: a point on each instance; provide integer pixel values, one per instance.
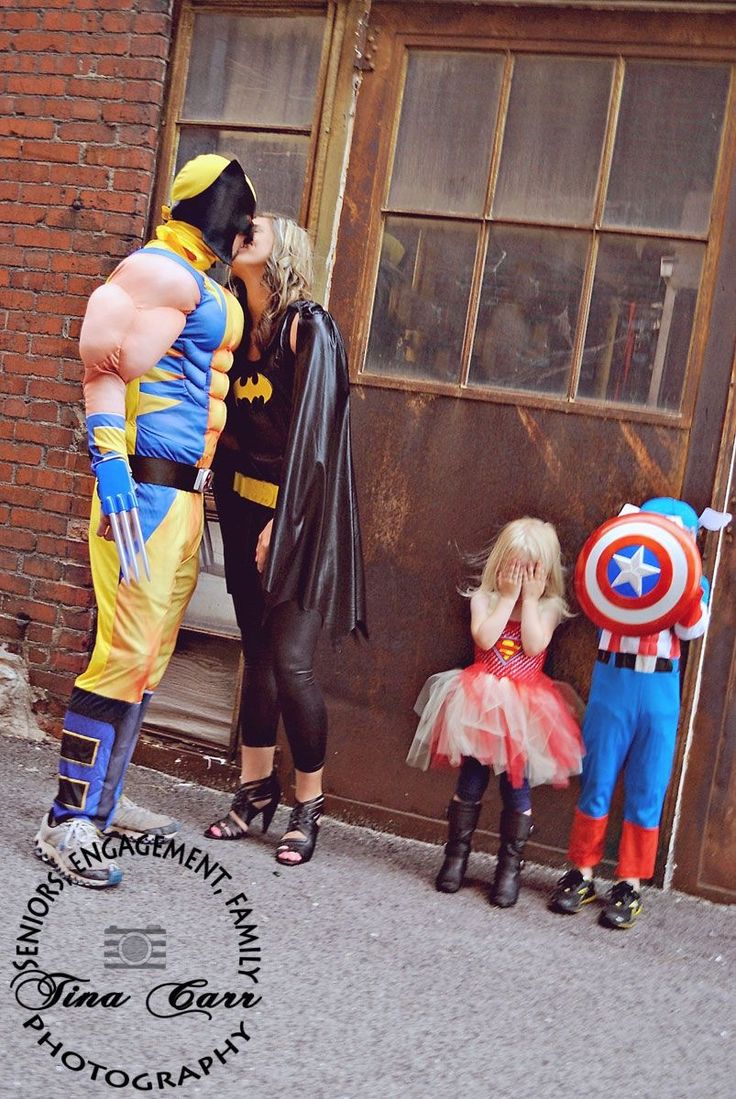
(157, 341)
(630, 726)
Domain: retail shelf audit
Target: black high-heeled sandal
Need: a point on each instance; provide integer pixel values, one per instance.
(305, 818)
(260, 796)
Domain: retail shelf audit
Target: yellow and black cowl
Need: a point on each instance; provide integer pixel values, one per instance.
(214, 195)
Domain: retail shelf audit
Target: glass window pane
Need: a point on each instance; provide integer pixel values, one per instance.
(553, 139)
(641, 318)
(528, 309)
(256, 69)
(448, 116)
(667, 140)
(276, 163)
(421, 299)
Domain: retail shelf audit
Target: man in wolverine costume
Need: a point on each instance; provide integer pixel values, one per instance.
(156, 343)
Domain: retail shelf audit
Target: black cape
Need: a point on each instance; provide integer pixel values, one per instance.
(315, 556)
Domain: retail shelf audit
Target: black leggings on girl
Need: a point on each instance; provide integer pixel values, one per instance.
(278, 653)
(473, 781)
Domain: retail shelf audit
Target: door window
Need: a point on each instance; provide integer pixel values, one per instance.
(546, 224)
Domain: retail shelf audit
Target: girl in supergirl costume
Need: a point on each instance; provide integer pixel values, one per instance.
(288, 513)
(502, 712)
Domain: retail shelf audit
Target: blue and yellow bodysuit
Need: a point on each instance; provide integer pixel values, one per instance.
(174, 413)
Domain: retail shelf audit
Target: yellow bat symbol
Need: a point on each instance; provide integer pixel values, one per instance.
(249, 390)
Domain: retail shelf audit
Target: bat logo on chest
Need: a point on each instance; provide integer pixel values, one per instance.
(254, 386)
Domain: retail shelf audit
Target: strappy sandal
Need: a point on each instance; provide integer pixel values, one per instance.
(260, 796)
(305, 818)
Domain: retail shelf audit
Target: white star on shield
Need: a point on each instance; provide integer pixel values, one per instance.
(633, 570)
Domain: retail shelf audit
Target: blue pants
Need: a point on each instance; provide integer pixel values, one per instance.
(631, 726)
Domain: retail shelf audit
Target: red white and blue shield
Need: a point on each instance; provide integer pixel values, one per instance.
(637, 574)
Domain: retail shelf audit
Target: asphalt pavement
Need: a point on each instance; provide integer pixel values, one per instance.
(212, 971)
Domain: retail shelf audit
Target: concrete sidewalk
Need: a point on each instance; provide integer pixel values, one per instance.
(373, 985)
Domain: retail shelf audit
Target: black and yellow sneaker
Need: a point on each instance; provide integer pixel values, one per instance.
(571, 893)
(623, 905)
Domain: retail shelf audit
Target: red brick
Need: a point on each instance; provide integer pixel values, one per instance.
(41, 634)
(71, 261)
(37, 520)
(150, 46)
(68, 595)
(29, 432)
(96, 88)
(29, 85)
(56, 684)
(71, 21)
(40, 613)
(133, 68)
(20, 126)
(72, 640)
(118, 44)
(36, 41)
(14, 341)
(86, 131)
(119, 157)
(59, 152)
(18, 453)
(55, 346)
(19, 20)
(17, 585)
(10, 148)
(83, 108)
(19, 539)
(46, 478)
(26, 171)
(85, 175)
(141, 113)
(47, 568)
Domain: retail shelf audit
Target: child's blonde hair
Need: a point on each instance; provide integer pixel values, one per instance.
(532, 540)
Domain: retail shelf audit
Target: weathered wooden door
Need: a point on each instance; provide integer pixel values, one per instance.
(530, 275)
(704, 849)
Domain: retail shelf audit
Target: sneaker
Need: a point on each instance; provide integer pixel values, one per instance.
(571, 893)
(623, 905)
(133, 820)
(64, 845)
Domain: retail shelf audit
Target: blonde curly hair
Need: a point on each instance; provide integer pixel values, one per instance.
(288, 274)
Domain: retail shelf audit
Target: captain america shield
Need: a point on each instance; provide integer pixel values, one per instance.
(637, 574)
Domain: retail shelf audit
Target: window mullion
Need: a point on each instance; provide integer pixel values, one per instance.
(476, 285)
(586, 293)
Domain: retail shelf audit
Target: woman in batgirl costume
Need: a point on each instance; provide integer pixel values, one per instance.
(156, 343)
(286, 499)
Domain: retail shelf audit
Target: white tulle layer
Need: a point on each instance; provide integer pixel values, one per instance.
(525, 728)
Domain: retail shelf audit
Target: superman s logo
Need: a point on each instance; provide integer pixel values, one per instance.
(255, 386)
(508, 647)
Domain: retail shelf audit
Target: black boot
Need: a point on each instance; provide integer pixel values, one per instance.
(515, 831)
(462, 819)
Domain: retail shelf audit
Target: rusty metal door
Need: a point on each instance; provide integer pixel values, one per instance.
(453, 438)
(704, 859)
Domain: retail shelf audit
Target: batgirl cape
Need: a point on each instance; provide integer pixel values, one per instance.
(315, 556)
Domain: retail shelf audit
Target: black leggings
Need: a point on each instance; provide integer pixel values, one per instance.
(473, 780)
(278, 653)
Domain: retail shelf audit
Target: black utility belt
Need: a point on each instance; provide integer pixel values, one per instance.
(161, 471)
(628, 660)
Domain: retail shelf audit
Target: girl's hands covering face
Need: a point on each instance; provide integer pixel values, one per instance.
(509, 578)
(534, 580)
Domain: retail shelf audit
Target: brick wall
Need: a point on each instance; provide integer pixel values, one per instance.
(81, 95)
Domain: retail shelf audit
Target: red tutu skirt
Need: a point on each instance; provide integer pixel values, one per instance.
(523, 727)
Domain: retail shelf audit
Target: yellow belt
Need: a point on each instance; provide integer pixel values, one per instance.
(260, 492)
